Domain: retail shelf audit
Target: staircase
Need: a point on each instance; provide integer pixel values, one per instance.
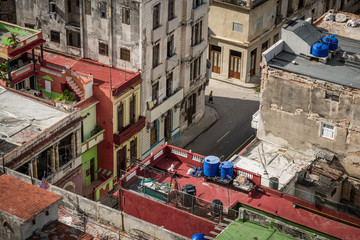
(75, 88)
(219, 228)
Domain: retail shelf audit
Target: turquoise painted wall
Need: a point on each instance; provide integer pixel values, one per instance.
(86, 157)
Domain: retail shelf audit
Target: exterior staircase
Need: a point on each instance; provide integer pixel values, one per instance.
(75, 88)
(219, 228)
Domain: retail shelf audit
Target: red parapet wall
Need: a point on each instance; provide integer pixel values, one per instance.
(160, 214)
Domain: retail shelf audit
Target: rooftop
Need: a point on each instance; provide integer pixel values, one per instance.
(261, 198)
(23, 118)
(23, 199)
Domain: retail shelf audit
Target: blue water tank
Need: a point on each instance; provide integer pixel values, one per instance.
(211, 166)
(198, 236)
(331, 41)
(226, 170)
(320, 50)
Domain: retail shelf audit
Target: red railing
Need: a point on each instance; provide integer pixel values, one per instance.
(129, 131)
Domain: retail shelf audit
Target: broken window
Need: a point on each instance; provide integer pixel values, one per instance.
(156, 16)
(156, 55)
(171, 9)
(125, 54)
(332, 96)
(125, 12)
(88, 7)
(327, 131)
(55, 36)
(103, 7)
(196, 36)
(103, 49)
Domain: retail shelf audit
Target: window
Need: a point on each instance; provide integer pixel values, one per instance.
(195, 69)
(103, 7)
(125, 12)
(103, 49)
(120, 118)
(264, 46)
(20, 85)
(54, 36)
(156, 53)
(156, 16)
(154, 133)
(237, 27)
(259, 23)
(171, 9)
(170, 46)
(196, 36)
(197, 3)
(52, 6)
(28, 25)
(155, 93)
(327, 131)
(169, 80)
(125, 54)
(73, 39)
(88, 7)
(332, 96)
(132, 110)
(69, 6)
(276, 37)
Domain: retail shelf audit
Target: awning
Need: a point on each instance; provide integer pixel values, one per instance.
(104, 172)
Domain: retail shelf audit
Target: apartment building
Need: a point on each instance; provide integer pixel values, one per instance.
(165, 39)
(241, 30)
(8, 11)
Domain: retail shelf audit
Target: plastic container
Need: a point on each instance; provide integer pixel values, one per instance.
(331, 41)
(320, 50)
(198, 236)
(211, 166)
(226, 170)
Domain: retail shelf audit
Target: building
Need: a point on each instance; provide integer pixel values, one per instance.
(34, 218)
(310, 104)
(162, 185)
(8, 11)
(167, 40)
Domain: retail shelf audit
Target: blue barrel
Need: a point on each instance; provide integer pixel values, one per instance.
(211, 166)
(320, 50)
(198, 236)
(331, 41)
(226, 170)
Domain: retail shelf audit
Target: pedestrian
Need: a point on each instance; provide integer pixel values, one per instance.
(211, 98)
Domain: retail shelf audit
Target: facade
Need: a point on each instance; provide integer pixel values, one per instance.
(310, 104)
(8, 11)
(240, 31)
(165, 39)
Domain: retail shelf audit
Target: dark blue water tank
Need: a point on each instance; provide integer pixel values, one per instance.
(320, 50)
(211, 166)
(198, 236)
(331, 41)
(226, 170)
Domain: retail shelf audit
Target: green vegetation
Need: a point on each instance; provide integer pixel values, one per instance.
(67, 96)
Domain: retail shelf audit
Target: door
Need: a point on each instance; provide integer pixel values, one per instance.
(215, 58)
(47, 86)
(132, 110)
(121, 160)
(168, 126)
(92, 169)
(252, 62)
(235, 64)
(120, 113)
(32, 82)
(133, 152)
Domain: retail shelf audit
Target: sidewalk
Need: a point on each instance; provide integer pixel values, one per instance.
(191, 133)
(254, 81)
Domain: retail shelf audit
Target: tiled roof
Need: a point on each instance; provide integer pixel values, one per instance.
(22, 199)
(60, 231)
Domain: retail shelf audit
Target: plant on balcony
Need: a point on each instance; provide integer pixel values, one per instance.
(3, 70)
(13, 40)
(67, 96)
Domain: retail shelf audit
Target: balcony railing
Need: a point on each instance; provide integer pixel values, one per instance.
(155, 113)
(129, 131)
(25, 70)
(92, 141)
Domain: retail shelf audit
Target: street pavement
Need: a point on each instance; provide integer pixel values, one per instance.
(226, 125)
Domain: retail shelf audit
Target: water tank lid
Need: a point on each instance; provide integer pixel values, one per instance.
(227, 164)
(198, 236)
(212, 159)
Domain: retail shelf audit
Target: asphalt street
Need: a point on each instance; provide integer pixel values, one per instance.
(235, 107)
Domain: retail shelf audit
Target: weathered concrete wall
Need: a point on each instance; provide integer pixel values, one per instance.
(8, 11)
(294, 108)
(13, 228)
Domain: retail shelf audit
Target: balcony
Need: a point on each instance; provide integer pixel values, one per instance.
(197, 49)
(155, 113)
(129, 131)
(158, 33)
(172, 62)
(172, 25)
(22, 72)
(200, 11)
(157, 71)
(92, 141)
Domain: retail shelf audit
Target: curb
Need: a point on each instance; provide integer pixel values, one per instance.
(238, 85)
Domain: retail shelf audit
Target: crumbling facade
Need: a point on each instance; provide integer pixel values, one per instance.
(166, 40)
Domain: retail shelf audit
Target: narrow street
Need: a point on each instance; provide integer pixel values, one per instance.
(235, 107)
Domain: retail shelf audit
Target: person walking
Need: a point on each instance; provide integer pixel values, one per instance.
(211, 98)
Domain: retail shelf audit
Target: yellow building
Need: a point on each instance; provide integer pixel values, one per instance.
(241, 30)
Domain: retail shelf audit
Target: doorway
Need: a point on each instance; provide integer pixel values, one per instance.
(234, 64)
(168, 126)
(92, 169)
(252, 62)
(215, 58)
(121, 160)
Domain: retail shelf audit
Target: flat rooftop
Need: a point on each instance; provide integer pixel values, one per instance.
(6, 29)
(23, 118)
(22, 199)
(267, 200)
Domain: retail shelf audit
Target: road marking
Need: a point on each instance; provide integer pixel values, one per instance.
(223, 136)
(239, 147)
